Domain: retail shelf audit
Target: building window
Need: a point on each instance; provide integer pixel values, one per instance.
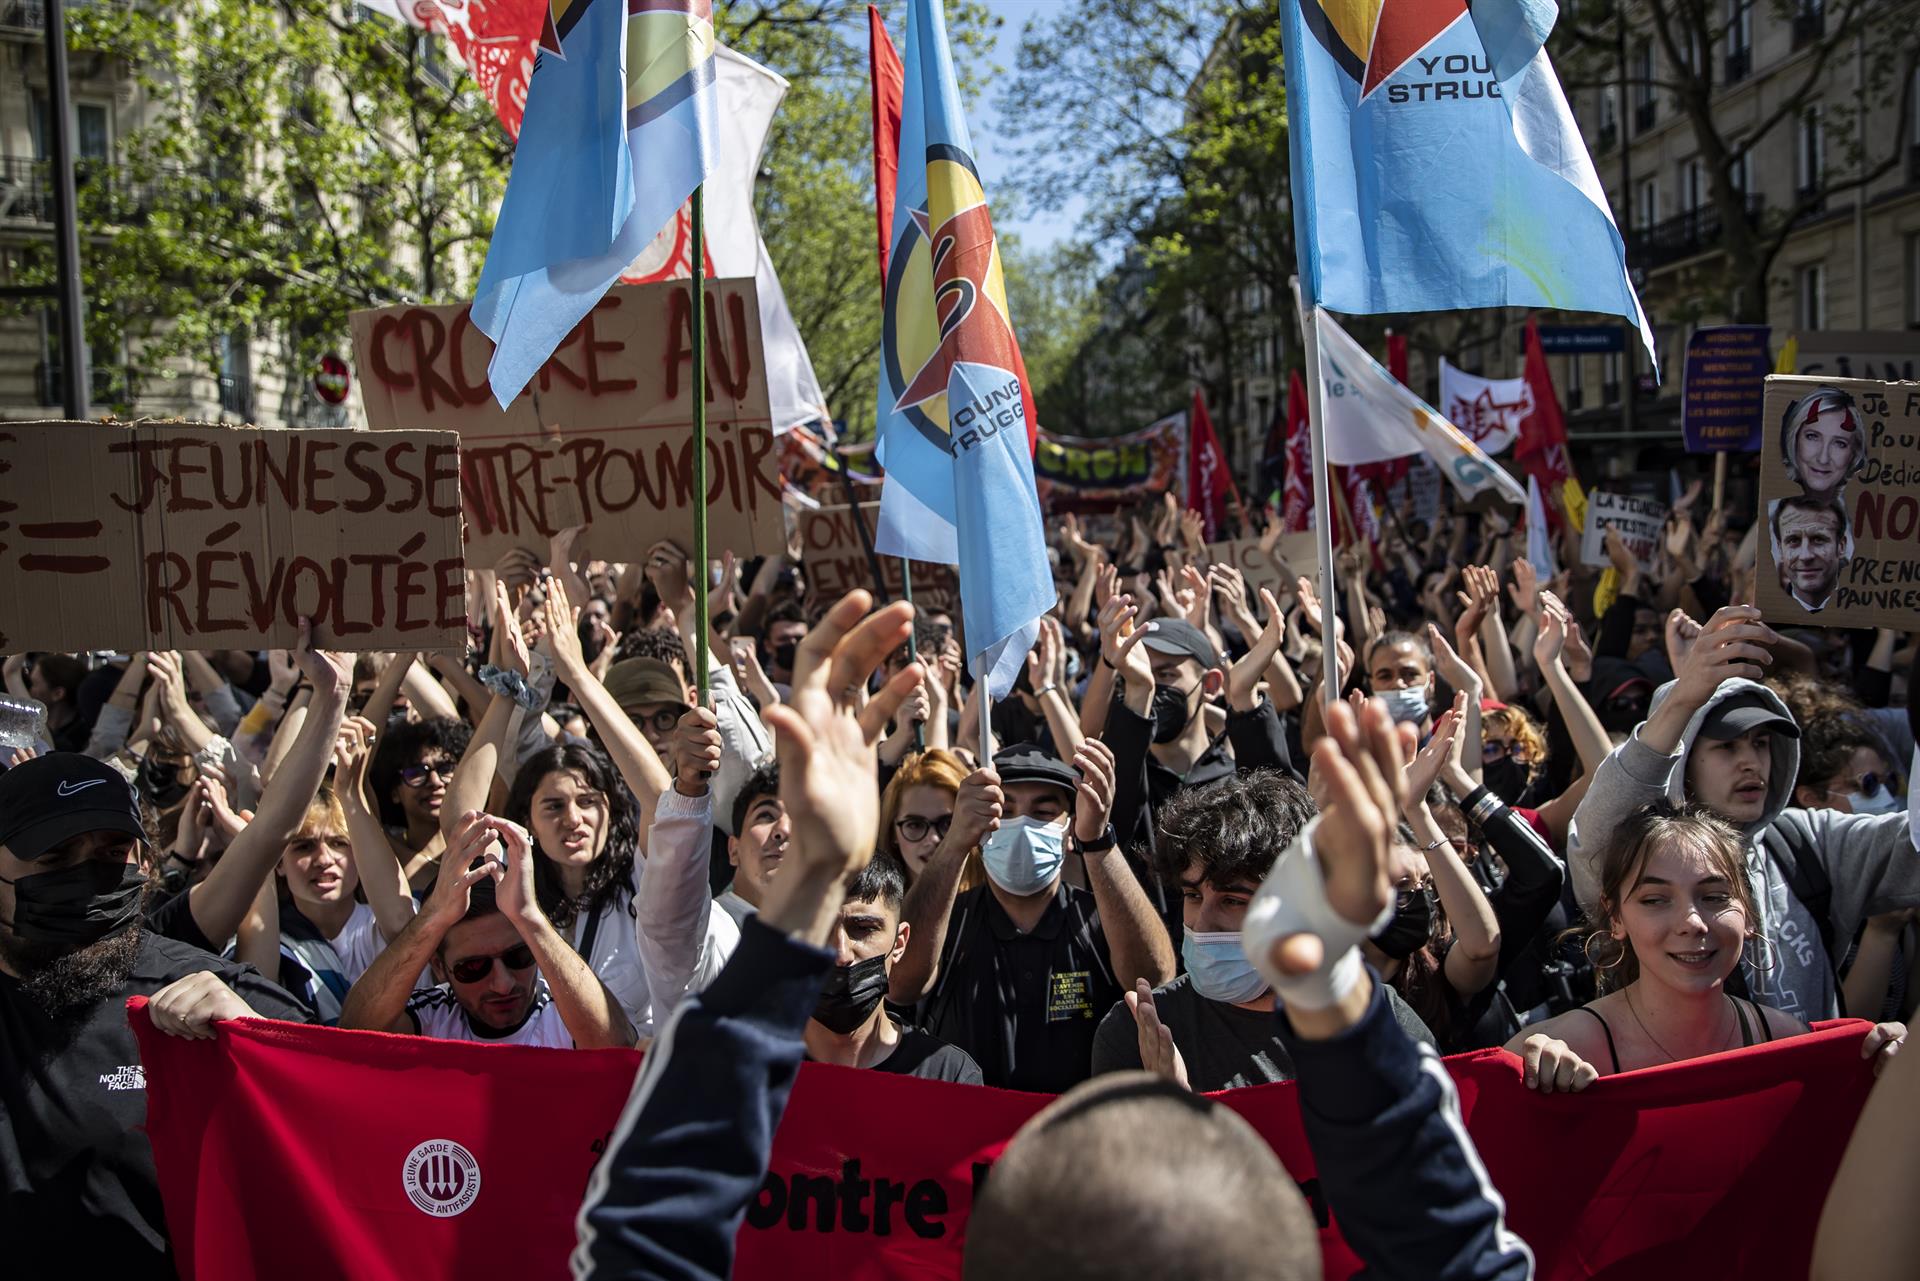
(1739, 59)
(1811, 287)
(1609, 130)
(236, 375)
(1610, 378)
(1646, 103)
(1809, 22)
(1810, 153)
(1913, 282)
(1913, 127)
(1647, 207)
(1740, 170)
(91, 139)
(1574, 385)
(1693, 186)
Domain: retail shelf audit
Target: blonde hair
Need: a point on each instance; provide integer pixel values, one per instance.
(936, 767)
(1514, 722)
(324, 814)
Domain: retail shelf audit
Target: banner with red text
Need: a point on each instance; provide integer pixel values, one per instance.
(833, 552)
(163, 536)
(603, 434)
(465, 1159)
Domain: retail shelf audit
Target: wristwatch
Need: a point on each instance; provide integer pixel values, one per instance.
(1106, 841)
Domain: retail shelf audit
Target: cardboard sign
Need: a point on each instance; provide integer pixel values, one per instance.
(603, 434)
(1292, 557)
(835, 560)
(1722, 385)
(1840, 495)
(192, 536)
(1639, 520)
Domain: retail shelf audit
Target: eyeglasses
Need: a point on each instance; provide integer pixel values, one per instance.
(661, 722)
(474, 968)
(913, 829)
(417, 775)
(1494, 749)
(1870, 785)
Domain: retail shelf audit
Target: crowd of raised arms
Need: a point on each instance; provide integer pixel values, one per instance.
(1605, 821)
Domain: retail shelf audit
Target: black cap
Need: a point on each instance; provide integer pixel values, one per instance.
(1178, 636)
(51, 799)
(1031, 763)
(1749, 709)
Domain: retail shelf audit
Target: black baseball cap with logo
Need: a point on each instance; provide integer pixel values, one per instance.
(51, 799)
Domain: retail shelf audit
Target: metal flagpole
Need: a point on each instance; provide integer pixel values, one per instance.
(697, 279)
(1322, 519)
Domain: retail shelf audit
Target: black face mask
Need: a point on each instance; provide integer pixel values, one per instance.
(1411, 926)
(783, 654)
(1505, 778)
(851, 993)
(1171, 713)
(77, 905)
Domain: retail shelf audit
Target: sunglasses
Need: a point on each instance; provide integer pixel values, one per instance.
(1494, 749)
(1870, 784)
(913, 829)
(474, 968)
(417, 775)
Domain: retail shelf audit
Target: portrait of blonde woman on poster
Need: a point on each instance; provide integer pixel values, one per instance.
(1823, 442)
(1812, 540)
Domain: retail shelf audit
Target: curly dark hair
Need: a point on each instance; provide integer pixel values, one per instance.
(1235, 827)
(611, 872)
(662, 643)
(1827, 746)
(400, 747)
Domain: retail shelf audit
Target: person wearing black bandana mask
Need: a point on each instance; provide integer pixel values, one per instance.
(851, 1025)
(78, 1192)
(1168, 670)
(786, 626)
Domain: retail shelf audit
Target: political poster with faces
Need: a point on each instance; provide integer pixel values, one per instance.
(1839, 475)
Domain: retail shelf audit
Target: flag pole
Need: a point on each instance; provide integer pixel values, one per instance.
(1322, 522)
(913, 645)
(697, 280)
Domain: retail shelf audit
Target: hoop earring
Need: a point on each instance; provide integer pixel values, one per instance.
(1614, 964)
(1769, 949)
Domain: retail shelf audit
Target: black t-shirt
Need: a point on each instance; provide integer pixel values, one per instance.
(1024, 1006)
(929, 1058)
(78, 1193)
(1223, 1046)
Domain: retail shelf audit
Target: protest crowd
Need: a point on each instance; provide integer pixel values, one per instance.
(1603, 841)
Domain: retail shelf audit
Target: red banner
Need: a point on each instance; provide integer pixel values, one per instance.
(290, 1152)
(1209, 479)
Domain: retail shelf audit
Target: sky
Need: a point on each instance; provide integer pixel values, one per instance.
(993, 138)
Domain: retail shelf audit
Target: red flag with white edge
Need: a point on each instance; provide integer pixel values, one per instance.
(1209, 480)
(1541, 448)
(889, 86)
(1297, 506)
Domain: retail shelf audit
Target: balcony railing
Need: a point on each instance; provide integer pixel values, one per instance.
(1696, 231)
(1736, 66)
(109, 193)
(31, 15)
(1609, 135)
(236, 394)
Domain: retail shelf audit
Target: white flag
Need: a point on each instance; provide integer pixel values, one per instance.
(749, 95)
(1489, 410)
(1372, 417)
(1539, 546)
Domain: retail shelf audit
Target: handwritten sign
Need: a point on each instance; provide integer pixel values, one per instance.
(603, 434)
(835, 559)
(191, 536)
(1639, 520)
(1292, 557)
(1723, 383)
(1840, 498)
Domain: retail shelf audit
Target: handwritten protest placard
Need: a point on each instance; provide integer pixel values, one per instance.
(603, 434)
(191, 536)
(1291, 557)
(1840, 498)
(1639, 520)
(835, 559)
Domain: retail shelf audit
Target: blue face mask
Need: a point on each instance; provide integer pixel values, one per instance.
(1023, 857)
(1405, 705)
(1220, 968)
(1878, 801)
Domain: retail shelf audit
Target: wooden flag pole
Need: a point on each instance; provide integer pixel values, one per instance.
(1719, 479)
(697, 279)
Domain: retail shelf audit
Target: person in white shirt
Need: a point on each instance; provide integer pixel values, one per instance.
(508, 977)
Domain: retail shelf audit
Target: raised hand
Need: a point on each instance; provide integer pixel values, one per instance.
(329, 673)
(352, 753)
(1733, 643)
(695, 751)
(1551, 1067)
(671, 574)
(1044, 658)
(977, 807)
(1427, 763)
(468, 858)
(1682, 632)
(1551, 639)
(1449, 665)
(1196, 597)
(1158, 1054)
(519, 902)
(561, 627)
(1246, 674)
(1119, 646)
(1077, 542)
(1193, 529)
(1093, 795)
(1526, 587)
(506, 622)
(1578, 655)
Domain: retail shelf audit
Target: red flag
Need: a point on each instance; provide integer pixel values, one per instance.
(1209, 480)
(1397, 356)
(1541, 447)
(1297, 508)
(291, 1152)
(889, 85)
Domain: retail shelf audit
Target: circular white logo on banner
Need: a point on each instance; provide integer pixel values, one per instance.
(441, 1178)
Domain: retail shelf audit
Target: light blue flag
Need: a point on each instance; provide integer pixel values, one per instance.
(618, 131)
(1437, 166)
(955, 411)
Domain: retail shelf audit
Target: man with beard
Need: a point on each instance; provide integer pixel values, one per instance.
(78, 1192)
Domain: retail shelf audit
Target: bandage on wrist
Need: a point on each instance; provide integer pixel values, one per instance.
(1293, 900)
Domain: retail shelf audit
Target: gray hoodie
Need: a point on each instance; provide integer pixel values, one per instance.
(1868, 859)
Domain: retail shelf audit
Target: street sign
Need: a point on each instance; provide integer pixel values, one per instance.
(1573, 340)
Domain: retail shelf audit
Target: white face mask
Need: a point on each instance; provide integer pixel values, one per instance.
(1024, 856)
(1405, 705)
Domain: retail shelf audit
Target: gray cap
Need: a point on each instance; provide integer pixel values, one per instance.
(1747, 710)
(1178, 636)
